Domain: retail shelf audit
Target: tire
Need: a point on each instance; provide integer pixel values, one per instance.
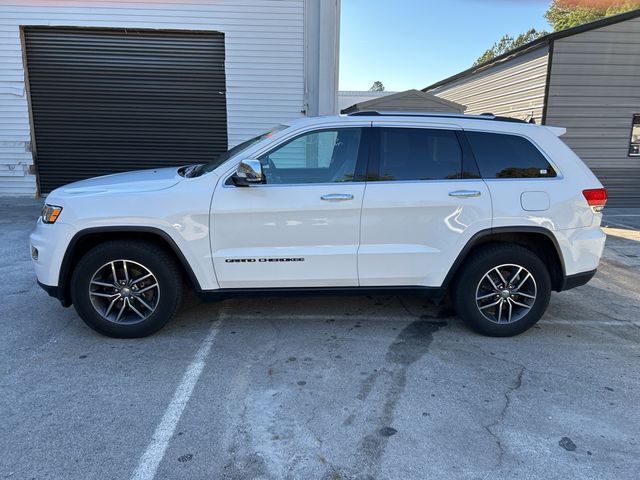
(134, 307)
(501, 312)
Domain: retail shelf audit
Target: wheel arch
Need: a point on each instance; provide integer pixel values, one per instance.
(540, 240)
(86, 239)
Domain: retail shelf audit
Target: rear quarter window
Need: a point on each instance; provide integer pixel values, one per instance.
(508, 156)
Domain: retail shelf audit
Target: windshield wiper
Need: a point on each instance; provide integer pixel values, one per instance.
(191, 171)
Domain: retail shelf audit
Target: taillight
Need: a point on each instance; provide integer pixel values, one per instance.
(596, 198)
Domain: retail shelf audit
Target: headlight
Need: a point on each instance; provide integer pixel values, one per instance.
(50, 213)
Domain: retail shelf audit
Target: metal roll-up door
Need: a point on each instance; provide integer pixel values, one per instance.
(106, 101)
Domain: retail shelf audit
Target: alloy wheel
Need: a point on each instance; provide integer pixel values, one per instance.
(124, 292)
(506, 293)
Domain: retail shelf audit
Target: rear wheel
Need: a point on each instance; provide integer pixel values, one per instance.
(126, 289)
(502, 290)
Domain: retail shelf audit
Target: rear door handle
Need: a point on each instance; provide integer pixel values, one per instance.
(336, 197)
(464, 193)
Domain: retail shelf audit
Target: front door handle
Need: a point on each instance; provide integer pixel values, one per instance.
(464, 193)
(336, 197)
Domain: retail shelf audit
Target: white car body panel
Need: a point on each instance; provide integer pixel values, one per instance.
(394, 253)
(130, 182)
(574, 225)
(285, 235)
(412, 232)
(180, 211)
(581, 248)
(390, 234)
(267, 222)
(52, 242)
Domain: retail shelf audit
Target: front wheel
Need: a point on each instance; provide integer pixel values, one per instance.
(126, 289)
(503, 290)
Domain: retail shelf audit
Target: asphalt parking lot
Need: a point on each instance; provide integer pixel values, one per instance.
(322, 388)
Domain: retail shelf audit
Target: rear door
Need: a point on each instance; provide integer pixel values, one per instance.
(423, 201)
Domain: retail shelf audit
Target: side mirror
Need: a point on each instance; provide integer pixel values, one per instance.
(249, 172)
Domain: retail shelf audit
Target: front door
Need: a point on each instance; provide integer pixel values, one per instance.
(424, 200)
(302, 227)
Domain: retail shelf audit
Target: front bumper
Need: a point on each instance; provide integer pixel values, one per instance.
(50, 241)
(55, 292)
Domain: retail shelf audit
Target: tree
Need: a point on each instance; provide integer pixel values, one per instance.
(507, 43)
(564, 14)
(377, 87)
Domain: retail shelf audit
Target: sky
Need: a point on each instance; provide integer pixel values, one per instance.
(414, 43)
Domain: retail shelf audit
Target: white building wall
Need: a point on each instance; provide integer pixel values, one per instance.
(265, 60)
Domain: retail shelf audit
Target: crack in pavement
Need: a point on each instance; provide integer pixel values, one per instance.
(502, 415)
(520, 365)
(332, 470)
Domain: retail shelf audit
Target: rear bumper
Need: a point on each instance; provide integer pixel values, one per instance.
(577, 280)
(581, 249)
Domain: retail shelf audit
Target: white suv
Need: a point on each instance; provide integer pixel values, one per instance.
(498, 212)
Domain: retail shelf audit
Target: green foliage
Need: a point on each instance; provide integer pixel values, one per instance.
(377, 87)
(507, 43)
(622, 8)
(564, 14)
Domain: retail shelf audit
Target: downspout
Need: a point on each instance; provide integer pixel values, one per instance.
(545, 104)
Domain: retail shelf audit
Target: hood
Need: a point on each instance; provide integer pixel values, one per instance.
(129, 182)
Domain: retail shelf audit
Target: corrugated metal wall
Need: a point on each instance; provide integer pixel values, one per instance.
(107, 101)
(514, 88)
(594, 91)
(265, 61)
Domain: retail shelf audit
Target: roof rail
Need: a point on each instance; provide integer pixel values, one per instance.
(483, 116)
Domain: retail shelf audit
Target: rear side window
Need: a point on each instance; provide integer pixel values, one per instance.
(508, 156)
(418, 154)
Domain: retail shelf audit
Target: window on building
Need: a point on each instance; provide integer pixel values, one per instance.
(634, 144)
(508, 156)
(419, 154)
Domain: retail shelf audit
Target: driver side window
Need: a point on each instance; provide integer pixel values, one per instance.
(325, 156)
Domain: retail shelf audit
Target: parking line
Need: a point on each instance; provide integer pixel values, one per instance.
(605, 223)
(150, 460)
(592, 323)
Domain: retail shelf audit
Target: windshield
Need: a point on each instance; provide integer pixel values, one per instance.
(223, 157)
